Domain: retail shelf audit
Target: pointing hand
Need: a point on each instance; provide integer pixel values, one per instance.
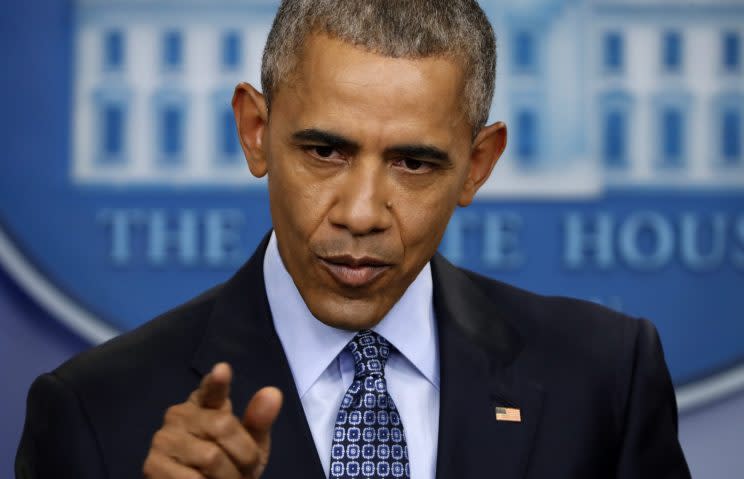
(202, 438)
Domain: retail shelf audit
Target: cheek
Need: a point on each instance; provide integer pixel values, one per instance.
(297, 201)
(424, 219)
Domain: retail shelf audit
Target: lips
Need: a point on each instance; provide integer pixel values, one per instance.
(354, 272)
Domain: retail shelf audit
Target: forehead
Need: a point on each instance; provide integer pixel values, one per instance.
(340, 86)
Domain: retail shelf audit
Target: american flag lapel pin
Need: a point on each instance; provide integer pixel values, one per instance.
(508, 414)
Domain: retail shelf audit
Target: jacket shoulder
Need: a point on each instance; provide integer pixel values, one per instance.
(556, 315)
(574, 335)
(169, 338)
(141, 372)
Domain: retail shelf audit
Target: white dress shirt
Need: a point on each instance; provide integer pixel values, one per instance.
(323, 369)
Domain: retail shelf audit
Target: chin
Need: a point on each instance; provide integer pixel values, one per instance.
(351, 317)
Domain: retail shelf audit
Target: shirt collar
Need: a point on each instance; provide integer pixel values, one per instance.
(310, 345)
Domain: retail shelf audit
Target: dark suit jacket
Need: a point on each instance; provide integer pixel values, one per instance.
(594, 392)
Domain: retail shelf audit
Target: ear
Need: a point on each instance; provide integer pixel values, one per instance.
(487, 148)
(251, 117)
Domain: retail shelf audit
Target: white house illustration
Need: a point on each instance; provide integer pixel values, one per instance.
(597, 94)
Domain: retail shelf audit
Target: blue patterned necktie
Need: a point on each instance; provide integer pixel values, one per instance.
(368, 440)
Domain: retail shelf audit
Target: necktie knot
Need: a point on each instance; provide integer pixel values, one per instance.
(370, 352)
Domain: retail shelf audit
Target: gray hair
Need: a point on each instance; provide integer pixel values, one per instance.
(457, 29)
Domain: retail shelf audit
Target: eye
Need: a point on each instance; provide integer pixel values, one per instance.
(413, 165)
(323, 152)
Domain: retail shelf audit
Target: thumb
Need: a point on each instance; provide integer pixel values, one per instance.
(260, 414)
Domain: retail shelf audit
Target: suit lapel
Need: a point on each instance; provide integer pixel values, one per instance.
(241, 332)
(478, 348)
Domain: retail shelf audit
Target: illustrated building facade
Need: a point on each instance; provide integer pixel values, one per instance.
(597, 94)
(153, 86)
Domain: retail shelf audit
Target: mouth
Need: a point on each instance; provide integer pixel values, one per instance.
(354, 272)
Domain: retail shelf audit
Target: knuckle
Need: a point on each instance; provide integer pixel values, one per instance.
(188, 474)
(173, 414)
(147, 467)
(224, 425)
(252, 457)
(153, 466)
(192, 474)
(160, 440)
(211, 456)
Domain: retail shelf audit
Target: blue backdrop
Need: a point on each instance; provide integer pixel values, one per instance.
(623, 182)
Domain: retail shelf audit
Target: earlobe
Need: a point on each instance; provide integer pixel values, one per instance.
(487, 148)
(251, 118)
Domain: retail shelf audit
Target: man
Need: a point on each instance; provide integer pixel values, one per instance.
(382, 359)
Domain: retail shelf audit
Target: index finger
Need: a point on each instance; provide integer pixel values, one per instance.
(214, 388)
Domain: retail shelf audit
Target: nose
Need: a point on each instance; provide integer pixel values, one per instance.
(361, 206)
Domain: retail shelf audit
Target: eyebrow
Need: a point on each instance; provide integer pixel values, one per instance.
(420, 152)
(413, 151)
(325, 138)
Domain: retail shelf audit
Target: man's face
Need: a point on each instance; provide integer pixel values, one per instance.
(367, 157)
